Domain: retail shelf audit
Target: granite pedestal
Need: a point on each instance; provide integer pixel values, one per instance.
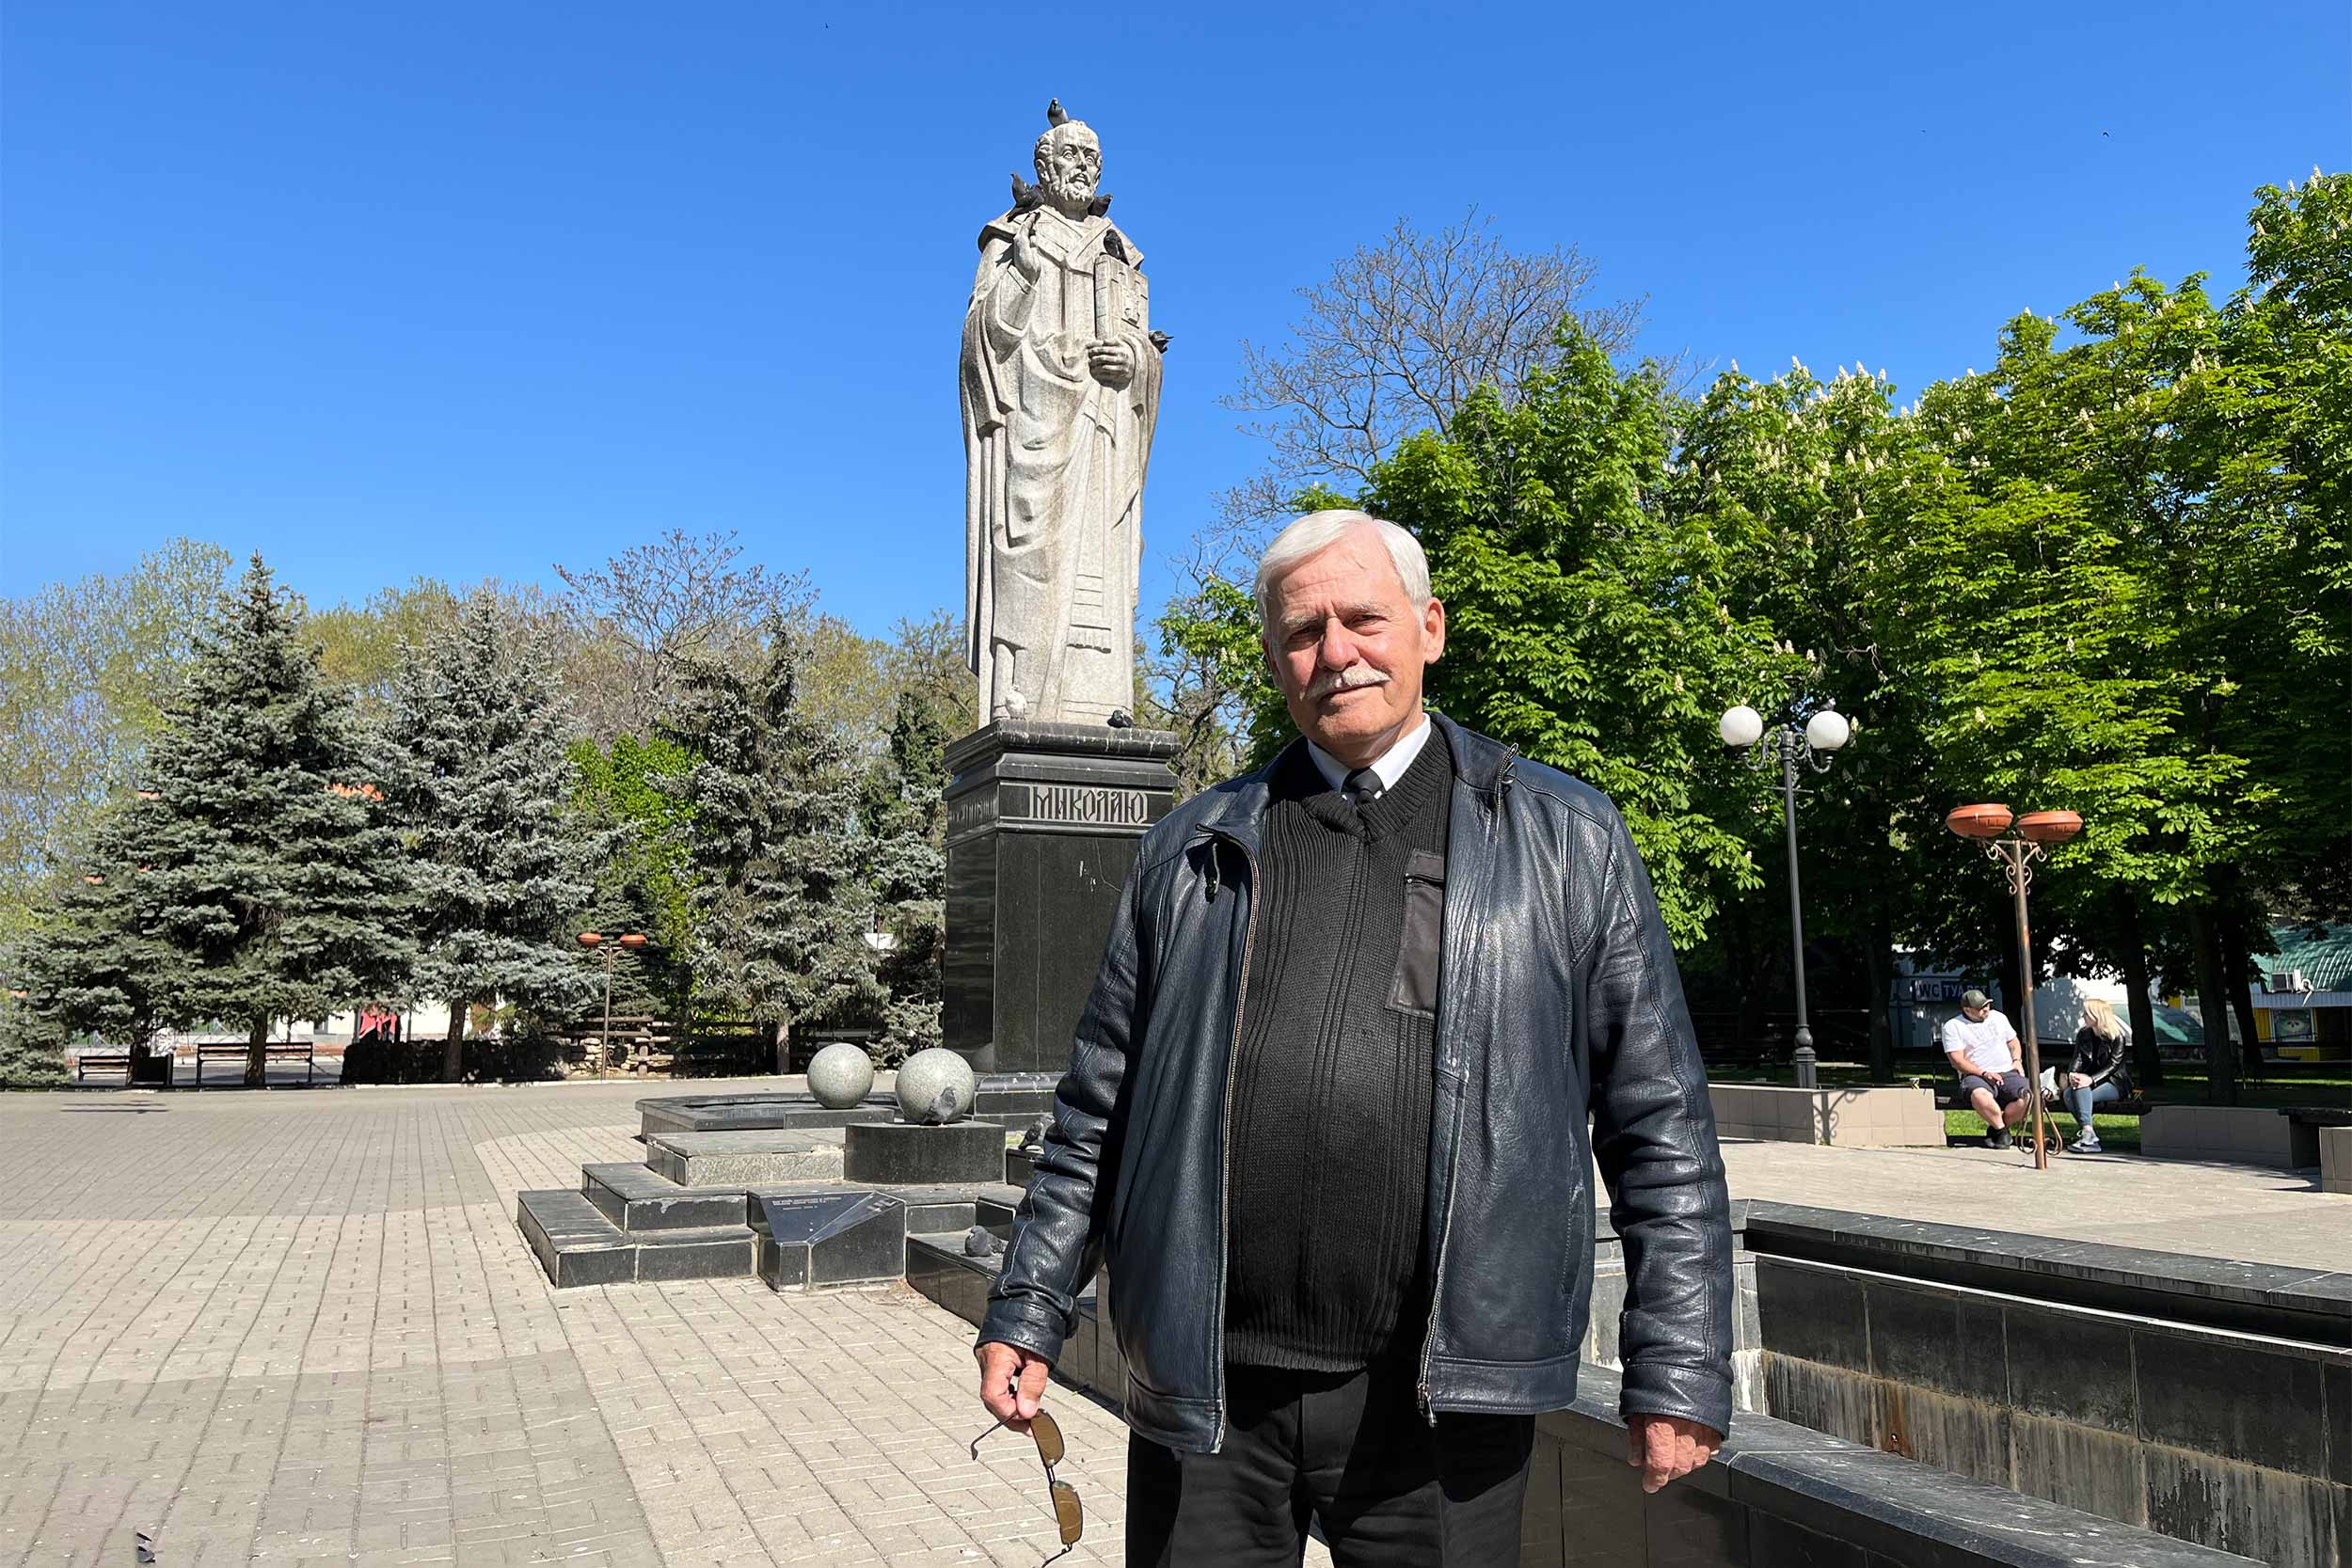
(1043, 821)
(905, 1153)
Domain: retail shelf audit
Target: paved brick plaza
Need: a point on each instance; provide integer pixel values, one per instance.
(301, 1327)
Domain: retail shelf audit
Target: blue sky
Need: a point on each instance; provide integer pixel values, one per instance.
(467, 290)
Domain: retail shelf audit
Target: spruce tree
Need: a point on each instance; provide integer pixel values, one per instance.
(264, 866)
(906, 820)
(479, 784)
(778, 854)
(85, 965)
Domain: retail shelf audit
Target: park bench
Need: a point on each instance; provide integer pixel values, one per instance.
(1949, 1097)
(275, 1051)
(105, 1061)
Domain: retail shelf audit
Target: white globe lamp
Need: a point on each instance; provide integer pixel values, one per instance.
(1741, 726)
(1827, 730)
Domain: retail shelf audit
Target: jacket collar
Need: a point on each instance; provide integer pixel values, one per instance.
(1480, 765)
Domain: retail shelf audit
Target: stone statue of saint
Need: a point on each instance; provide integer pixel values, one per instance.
(1061, 388)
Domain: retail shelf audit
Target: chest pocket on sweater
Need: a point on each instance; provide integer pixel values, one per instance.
(1415, 988)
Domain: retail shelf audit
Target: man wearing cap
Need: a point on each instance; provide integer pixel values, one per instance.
(1982, 1049)
(1369, 1020)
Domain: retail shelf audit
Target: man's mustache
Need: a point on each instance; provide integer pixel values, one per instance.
(1349, 679)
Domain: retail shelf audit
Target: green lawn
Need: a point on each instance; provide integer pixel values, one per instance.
(2116, 1132)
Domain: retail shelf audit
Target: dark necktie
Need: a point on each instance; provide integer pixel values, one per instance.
(1362, 786)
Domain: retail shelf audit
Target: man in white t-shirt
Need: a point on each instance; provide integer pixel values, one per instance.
(1982, 1049)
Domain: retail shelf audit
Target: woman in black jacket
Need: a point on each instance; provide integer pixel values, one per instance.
(2097, 1073)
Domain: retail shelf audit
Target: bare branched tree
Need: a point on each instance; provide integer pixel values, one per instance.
(1395, 339)
(637, 618)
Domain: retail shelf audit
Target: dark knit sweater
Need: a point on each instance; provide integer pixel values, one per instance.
(1329, 1159)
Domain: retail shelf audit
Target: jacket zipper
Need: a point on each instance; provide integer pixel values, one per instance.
(1225, 1150)
(1452, 1178)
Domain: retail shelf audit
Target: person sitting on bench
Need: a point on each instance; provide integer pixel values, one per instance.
(2098, 1072)
(1982, 1049)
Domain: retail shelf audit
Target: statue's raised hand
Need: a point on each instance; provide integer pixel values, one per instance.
(1112, 363)
(1025, 255)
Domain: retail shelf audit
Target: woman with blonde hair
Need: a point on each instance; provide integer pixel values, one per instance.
(2097, 1073)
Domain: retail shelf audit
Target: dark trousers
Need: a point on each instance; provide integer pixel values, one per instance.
(1351, 1452)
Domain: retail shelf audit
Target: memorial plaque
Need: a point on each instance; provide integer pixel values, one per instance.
(832, 1239)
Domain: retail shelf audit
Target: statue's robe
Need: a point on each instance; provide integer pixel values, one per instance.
(1053, 465)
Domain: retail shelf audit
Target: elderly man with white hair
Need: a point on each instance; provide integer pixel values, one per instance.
(1366, 1021)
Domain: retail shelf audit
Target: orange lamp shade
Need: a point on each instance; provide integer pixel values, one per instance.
(590, 938)
(1983, 821)
(633, 942)
(2049, 827)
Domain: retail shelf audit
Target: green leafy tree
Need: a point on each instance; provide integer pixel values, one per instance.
(365, 646)
(905, 819)
(1212, 688)
(2121, 696)
(1799, 481)
(87, 671)
(649, 873)
(480, 787)
(2283, 399)
(780, 877)
(926, 656)
(1586, 621)
(265, 865)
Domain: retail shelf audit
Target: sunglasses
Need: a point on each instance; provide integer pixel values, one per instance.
(1067, 1514)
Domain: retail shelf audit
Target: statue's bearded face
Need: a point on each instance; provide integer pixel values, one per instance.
(1069, 167)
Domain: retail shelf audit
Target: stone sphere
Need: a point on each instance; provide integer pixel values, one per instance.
(840, 1075)
(936, 1087)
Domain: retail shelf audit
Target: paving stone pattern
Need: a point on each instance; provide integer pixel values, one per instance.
(303, 1328)
(2212, 1209)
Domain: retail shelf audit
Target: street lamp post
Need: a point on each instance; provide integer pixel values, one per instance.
(2034, 832)
(593, 941)
(1823, 733)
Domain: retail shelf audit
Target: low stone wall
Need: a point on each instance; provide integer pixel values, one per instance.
(2335, 1158)
(2310, 1305)
(1776, 1497)
(2238, 1134)
(1880, 1116)
(2233, 1439)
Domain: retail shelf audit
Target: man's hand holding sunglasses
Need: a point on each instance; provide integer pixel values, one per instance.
(1003, 1369)
(1012, 1382)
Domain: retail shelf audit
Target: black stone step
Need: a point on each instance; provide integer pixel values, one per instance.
(578, 1245)
(636, 1198)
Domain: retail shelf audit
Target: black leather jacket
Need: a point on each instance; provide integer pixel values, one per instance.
(1558, 1000)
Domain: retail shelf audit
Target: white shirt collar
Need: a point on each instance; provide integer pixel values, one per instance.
(1388, 765)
